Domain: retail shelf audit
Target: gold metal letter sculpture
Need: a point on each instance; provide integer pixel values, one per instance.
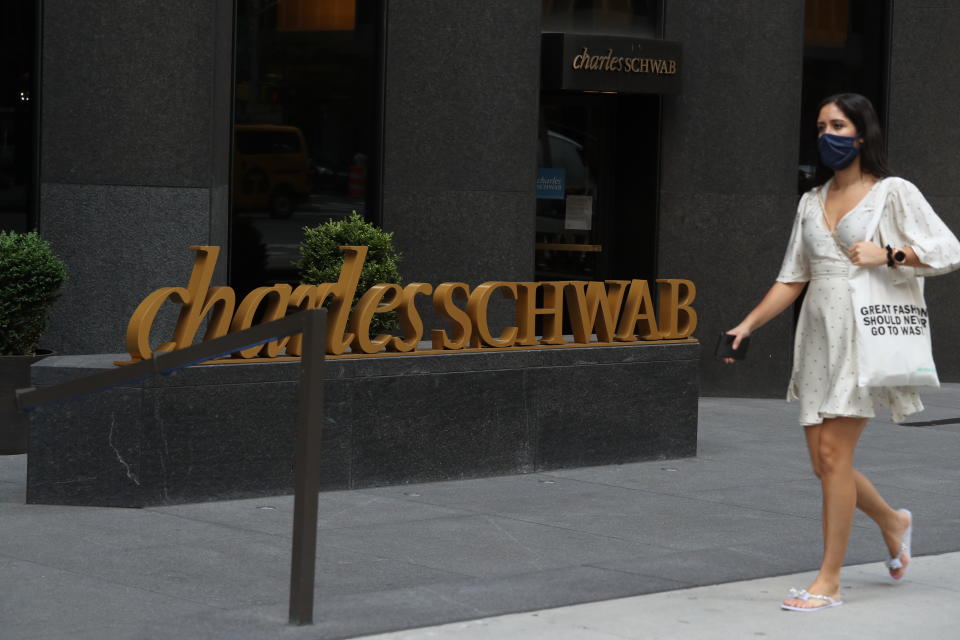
(616, 311)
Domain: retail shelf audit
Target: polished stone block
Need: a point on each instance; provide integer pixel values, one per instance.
(127, 92)
(134, 154)
(227, 431)
(447, 426)
(728, 199)
(704, 148)
(921, 149)
(924, 95)
(207, 440)
(112, 262)
(698, 244)
(87, 450)
(461, 115)
(460, 139)
(462, 236)
(614, 413)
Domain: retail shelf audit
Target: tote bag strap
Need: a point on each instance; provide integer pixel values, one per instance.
(881, 194)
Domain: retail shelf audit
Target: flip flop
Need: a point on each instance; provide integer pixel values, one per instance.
(803, 595)
(894, 562)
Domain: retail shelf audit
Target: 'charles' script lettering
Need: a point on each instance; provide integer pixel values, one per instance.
(584, 61)
(614, 311)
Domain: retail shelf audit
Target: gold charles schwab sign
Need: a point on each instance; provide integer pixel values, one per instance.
(617, 311)
(587, 61)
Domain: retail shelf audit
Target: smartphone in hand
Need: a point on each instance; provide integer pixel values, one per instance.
(725, 348)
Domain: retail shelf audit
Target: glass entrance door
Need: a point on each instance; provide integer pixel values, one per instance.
(597, 186)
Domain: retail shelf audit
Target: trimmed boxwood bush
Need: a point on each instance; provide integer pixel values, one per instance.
(30, 279)
(321, 259)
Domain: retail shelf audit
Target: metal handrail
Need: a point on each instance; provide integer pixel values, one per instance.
(312, 324)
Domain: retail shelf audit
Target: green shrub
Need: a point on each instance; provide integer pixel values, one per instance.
(30, 279)
(321, 259)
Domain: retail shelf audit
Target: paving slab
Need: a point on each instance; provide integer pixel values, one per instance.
(671, 521)
(40, 601)
(337, 510)
(687, 477)
(487, 545)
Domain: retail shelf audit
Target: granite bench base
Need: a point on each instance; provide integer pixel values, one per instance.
(226, 431)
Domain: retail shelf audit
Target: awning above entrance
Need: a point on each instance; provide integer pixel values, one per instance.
(577, 62)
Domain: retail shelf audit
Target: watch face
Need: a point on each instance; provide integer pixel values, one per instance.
(900, 256)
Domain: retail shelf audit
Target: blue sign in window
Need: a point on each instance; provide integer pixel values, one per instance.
(551, 184)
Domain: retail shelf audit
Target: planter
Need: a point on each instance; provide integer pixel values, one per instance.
(15, 374)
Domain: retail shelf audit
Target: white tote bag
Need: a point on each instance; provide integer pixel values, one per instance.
(893, 327)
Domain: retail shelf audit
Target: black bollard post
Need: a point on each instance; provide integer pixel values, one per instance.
(307, 468)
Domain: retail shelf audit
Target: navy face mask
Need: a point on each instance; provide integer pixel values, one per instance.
(837, 152)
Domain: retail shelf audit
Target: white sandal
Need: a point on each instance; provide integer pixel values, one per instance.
(894, 562)
(804, 595)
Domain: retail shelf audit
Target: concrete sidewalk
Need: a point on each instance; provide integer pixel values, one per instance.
(925, 607)
(394, 558)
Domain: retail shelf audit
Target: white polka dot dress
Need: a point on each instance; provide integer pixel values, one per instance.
(824, 378)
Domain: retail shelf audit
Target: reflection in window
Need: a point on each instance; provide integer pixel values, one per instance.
(596, 186)
(311, 15)
(17, 104)
(305, 123)
(613, 17)
(568, 240)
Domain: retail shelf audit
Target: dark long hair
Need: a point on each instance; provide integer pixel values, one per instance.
(873, 152)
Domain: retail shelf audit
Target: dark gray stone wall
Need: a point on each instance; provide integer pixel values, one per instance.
(462, 89)
(729, 174)
(135, 132)
(924, 140)
(227, 431)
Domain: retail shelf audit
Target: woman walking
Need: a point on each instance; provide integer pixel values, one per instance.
(827, 238)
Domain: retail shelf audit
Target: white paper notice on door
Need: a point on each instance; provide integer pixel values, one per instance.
(579, 213)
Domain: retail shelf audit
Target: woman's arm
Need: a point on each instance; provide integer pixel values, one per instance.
(780, 296)
(916, 229)
(912, 260)
(867, 254)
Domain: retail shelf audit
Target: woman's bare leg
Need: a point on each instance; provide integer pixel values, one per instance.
(893, 524)
(832, 447)
(812, 435)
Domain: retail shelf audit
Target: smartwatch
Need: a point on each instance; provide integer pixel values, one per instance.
(895, 257)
